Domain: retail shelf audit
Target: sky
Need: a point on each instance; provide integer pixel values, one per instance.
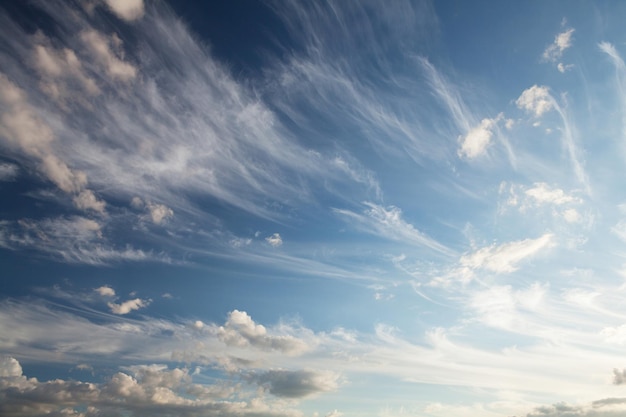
(315, 208)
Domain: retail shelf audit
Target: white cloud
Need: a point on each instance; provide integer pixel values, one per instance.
(275, 240)
(9, 367)
(506, 257)
(128, 306)
(105, 291)
(102, 48)
(128, 10)
(536, 100)
(478, 139)
(542, 193)
(159, 213)
(388, 222)
(554, 51)
(240, 330)
(86, 199)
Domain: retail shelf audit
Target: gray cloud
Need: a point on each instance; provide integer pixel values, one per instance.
(295, 384)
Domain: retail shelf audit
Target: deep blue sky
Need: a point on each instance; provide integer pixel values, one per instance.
(324, 208)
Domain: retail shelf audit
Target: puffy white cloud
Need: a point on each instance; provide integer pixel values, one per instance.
(478, 139)
(159, 213)
(275, 240)
(128, 306)
(105, 291)
(240, 330)
(536, 100)
(86, 199)
(9, 367)
(128, 10)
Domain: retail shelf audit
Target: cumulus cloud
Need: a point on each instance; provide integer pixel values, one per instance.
(295, 384)
(536, 100)
(275, 240)
(159, 213)
(128, 306)
(128, 10)
(105, 291)
(152, 390)
(86, 199)
(478, 139)
(240, 330)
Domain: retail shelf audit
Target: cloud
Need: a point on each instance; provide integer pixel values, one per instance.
(240, 330)
(128, 10)
(73, 239)
(139, 390)
(8, 171)
(542, 193)
(128, 306)
(105, 291)
(506, 257)
(86, 199)
(554, 51)
(388, 222)
(536, 100)
(103, 50)
(609, 407)
(478, 139)
(159, 213)
(295, 384)
(9, 367)
(275, 240)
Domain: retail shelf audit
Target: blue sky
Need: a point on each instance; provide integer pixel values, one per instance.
(319, 209)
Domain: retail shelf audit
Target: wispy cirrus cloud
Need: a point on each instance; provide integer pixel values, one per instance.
(388, 222)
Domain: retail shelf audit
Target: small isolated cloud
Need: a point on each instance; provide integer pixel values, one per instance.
(159, 213)
(105, 291)
(295, 384)
(275, 240)
(128, 10)
(128, 306)
(554, 51)
(536, 100)
(477, 140)
(8, 172)
(87, 200)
